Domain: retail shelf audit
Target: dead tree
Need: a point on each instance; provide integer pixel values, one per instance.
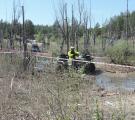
(90, 22)
(24, 42)
(20, 39)
(13, 32)
(1, 39)
(71, 32)
(15, 24)
(63, 25)
(81, 10)
(73, 29)
(86, 39)
(72, 39)
(67, 28)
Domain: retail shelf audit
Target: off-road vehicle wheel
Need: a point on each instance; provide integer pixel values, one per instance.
(89, 68)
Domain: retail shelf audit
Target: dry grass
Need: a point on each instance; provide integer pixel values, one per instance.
(56, 96)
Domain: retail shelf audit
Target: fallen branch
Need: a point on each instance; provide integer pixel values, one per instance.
(12, 82)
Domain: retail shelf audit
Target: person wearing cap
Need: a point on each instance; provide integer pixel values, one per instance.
(72, 54)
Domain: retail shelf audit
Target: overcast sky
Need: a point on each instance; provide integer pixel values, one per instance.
(42, 11)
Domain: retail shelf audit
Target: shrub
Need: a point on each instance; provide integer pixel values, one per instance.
(39, 37)
(119, 52)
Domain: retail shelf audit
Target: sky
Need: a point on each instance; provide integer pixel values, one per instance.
(43, 11)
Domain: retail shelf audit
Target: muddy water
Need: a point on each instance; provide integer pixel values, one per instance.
(116, 81)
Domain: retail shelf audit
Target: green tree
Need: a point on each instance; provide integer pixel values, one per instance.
(119, 52)
(132, 21)
(29, 29)
(97, 29)
(5, 27)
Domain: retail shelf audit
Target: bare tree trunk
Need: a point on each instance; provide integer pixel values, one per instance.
(85, 18)
(72, 34)
(90, 31)
(94, 39)
(62, 44)
(20, 39)
(1, 39)
(24, 41)
(67, 29)
(77, 44)
(14, 25)
(74, 28)
(127, 23)
(81, 10)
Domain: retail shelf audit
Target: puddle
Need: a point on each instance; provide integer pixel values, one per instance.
(117, 81)
(129, 84)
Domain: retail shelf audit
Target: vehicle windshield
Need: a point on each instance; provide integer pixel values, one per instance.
(35, 48)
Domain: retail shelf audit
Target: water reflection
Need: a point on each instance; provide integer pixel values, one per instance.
(111, 81)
